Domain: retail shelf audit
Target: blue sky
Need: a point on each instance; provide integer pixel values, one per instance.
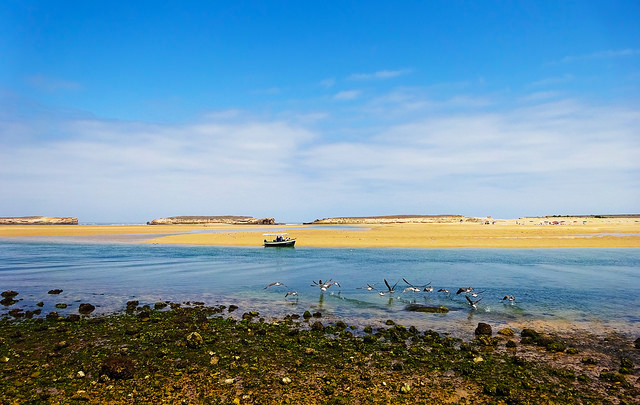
(130, 111)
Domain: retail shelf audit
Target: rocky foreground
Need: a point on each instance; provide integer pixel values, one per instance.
(203, 220)
(38, 221)
(191, 353)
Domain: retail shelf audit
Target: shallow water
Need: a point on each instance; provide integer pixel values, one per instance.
(567, 289)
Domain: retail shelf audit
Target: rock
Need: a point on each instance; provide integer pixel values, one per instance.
(529, 333)
(118, 367)
(317, 315)
(61, 306)
(16, 313)
(194, 340)
(286, 380)
(8, 301)
(200, 220)
(317, 326)
(398, 219)
(72, 318)
(511, 344)
(60, 345)
(555, 347)
(232, 308)
(86, 309)
(132, 305)
(52, 316)
(40, 304)
(9, 294)
(626, 366)
(637, 343)
(160, 305)
(426, 308)
(483, 329)
(306, 315)
(38, 220)
(55, 291)
(506, 332)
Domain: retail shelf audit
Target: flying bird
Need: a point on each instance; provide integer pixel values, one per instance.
(291, 293)
(472, 303)
(277, 283)
(464, 290)
(324, 286)
(509, 298)
(390, 290)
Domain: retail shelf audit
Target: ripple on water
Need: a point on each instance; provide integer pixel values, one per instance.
(561, 287)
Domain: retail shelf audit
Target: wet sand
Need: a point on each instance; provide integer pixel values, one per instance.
(503, 234)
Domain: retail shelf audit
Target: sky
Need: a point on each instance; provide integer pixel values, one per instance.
(123, 112)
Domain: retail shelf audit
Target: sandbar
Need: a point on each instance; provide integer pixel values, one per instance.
(502, 234)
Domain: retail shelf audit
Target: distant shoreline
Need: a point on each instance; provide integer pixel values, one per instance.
(521, 233)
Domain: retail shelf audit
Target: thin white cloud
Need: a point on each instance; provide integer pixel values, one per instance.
(608, 54)
(379, 75)
(328, 82)
(546, 154)
(52, 84)
(347, 95)
(550, 81)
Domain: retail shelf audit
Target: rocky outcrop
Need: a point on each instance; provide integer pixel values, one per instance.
(397, 219)
(38, 221)
(203, 220)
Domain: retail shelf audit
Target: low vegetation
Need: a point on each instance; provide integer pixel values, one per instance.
(184, 353)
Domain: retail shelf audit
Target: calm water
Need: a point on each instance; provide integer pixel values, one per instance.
(594, 289)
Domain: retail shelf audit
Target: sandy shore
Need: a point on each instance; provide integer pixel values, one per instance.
(503, 234)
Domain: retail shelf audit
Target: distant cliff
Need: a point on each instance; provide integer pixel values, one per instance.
(201, 220)
(38, 221)
(397, 219)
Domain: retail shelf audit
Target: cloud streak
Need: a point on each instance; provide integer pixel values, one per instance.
(608, 54)
(380, 75)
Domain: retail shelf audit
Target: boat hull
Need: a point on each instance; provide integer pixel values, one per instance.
(284, 243)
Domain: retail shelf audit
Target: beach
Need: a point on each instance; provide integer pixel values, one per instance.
(522, 233)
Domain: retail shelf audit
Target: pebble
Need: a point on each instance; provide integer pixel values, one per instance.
(286, 380)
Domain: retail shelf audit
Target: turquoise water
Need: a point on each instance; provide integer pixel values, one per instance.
(592, 289)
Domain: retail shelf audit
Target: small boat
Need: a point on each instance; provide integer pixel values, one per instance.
(278, 240)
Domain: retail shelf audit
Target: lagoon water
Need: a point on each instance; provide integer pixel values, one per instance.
(564, 289)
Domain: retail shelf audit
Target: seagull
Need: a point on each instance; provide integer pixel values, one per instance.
(464, 290)
(391, 289)
(369, 287)
(509, 298)
(475, 295)
(472, 303)
(277, 283)
(444, 290)
(324, 286)
(292, 293)
(418, 286)
(428, 289)
(413, 289)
